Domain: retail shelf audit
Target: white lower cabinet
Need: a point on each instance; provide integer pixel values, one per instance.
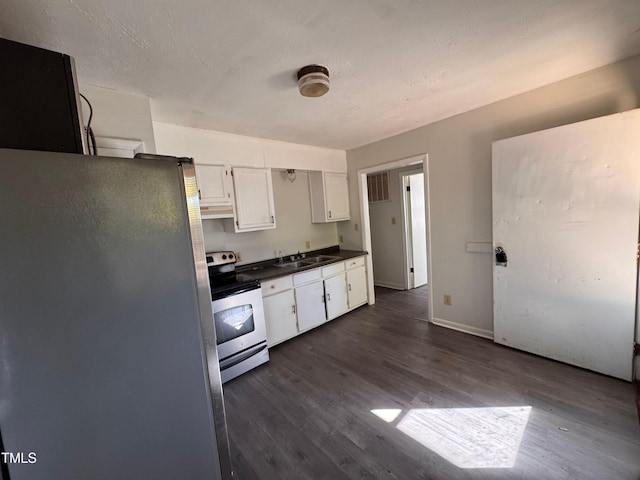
(280, 316)
(335, 289)
(296, 303)
(357, 287)
(310, 305)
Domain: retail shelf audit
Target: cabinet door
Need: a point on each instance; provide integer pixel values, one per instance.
(337, 196)
(310, 305)
(336, 296)
(280, 316)
(254, 199)
(357, 287)
(214, 184)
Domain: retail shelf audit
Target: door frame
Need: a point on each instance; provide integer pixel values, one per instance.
(363, 196)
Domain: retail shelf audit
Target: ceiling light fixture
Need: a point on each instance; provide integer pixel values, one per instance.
(313, 80)
(291, 174)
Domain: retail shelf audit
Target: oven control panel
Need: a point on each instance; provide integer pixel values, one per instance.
(220, 258)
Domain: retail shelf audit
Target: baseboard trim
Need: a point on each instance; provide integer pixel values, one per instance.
(478, 332)
(394, 286)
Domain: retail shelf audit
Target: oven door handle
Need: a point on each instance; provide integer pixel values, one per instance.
(241, 357)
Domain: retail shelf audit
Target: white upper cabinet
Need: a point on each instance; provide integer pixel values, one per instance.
(329, 197)
(254, 208)
(215, 188)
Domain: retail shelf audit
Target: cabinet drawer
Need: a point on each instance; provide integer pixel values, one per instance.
(306, 277)
(354, 262)
(332, 269)
(276, 285)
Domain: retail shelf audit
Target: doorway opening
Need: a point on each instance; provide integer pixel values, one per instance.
(398, 248)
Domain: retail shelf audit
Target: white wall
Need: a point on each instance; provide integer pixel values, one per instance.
(208, 146)
(459, 150)
(293, 226)
(386, 238)
(118, 114)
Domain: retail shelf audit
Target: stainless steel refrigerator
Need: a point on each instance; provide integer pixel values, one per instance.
(108, 363)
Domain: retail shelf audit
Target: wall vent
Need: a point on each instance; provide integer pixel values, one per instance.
(378, 187)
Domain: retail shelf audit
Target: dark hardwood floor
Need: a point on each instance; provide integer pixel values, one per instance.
(307, 413)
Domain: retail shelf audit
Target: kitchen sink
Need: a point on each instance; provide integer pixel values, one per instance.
(306, 262)
(296, 264)
(320, 259)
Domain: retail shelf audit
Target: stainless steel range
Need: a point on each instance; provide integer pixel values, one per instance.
(238, 316)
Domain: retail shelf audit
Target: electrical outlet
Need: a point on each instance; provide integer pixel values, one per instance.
(393, 220)
(307, 244)
(447, 299)
(238, 256)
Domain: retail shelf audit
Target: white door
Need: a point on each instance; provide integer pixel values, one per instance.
(335, 289)
(310, 305)
(280, 317)
(254, 199)
(565, 211)
(418, 229)
(214, 184)
(357, 287)
(337, 196)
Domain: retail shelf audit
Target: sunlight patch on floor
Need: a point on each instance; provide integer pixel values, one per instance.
(387, 414)
(467, 437)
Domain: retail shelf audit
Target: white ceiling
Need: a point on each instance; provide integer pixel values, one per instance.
(230, 65)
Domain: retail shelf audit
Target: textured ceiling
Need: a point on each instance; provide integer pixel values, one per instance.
(395, 64)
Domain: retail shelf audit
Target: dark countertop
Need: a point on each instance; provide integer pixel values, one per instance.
(266, 270)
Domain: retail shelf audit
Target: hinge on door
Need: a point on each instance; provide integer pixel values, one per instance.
(638, 252)
(411, 270)
(226, 172)
(237, 224)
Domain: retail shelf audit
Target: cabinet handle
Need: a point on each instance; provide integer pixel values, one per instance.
(199, 195)
(272, 220)
(349, 287)
(329, 213)
(328, 297)
(293, 309)
(273, 286)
